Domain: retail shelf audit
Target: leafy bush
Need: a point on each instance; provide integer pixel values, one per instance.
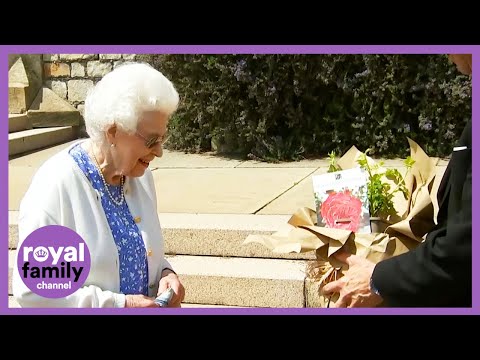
(285, 107)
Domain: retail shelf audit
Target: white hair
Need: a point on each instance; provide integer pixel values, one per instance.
(123, 95)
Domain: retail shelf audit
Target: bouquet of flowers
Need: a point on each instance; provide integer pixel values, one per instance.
(415, 218)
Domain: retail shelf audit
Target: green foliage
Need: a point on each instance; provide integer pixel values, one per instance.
(380, 194)
(287, 107)
(332, 164)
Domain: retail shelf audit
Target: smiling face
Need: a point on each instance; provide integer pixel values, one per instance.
(135, 151)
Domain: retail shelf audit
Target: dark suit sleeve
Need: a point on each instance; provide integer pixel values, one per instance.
(438, 273)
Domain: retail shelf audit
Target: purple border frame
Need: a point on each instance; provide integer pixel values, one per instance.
(232, 49)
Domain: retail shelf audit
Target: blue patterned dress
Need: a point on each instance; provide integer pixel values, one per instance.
(130, 246)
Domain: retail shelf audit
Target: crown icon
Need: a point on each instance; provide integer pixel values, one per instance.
(41, 253)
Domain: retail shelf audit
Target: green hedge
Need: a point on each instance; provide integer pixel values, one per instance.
(287, 107)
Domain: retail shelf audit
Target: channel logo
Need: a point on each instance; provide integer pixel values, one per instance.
(53, 261)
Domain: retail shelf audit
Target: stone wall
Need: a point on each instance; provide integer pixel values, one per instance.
(71, 76)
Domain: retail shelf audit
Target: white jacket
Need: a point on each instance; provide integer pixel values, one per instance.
(60, 194)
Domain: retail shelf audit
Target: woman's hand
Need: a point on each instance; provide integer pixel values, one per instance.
(139, 301)
(170, 280)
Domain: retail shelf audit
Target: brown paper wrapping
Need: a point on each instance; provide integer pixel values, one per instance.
(301, 233)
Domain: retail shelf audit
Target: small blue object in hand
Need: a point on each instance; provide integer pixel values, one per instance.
(164, 298)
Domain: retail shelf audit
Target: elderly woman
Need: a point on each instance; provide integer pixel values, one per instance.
(103, 190)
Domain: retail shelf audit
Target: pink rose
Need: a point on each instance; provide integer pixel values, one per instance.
(342, 210)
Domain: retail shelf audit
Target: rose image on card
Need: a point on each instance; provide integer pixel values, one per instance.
(342, 210)
(341, 200)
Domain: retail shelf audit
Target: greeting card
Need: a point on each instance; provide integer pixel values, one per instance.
(341, 200)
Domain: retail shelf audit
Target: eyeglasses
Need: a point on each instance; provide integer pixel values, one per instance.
(154, 140)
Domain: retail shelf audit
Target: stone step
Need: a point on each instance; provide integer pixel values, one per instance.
(222, 235)
(250, 282)
(50, 110)
(18, 122)
(208, 234)
(207, 252)
(28, 140)
(240, 282)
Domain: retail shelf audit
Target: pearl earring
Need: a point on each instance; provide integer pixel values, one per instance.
(112, 145)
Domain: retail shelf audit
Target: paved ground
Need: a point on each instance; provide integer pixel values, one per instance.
(208, 184)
